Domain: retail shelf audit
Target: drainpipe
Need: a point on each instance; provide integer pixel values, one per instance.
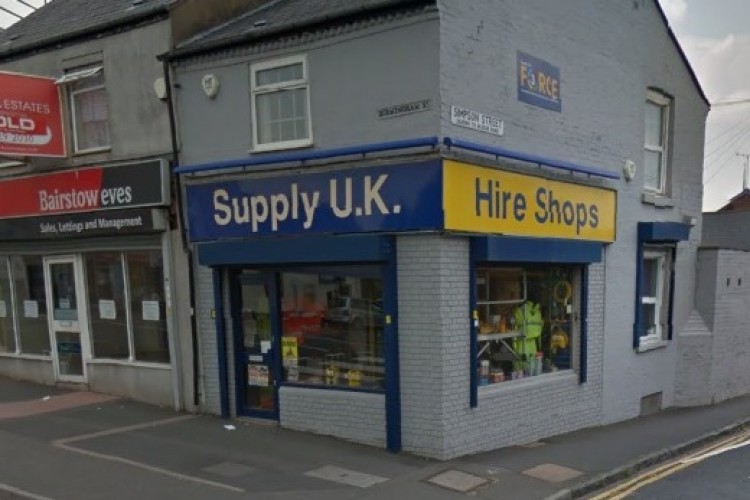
(177, 190)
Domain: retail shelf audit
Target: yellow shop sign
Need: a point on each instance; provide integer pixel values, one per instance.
(485, 200)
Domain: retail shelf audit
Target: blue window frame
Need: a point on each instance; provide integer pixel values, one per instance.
(655, 280)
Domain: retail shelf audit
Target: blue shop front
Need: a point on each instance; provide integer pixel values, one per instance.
(324, 315)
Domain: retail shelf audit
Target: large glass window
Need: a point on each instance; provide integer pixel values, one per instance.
(280, 94)
(147, 306)
(7, 335)
(126, 305)
(527, 321)
(332, 327)
(30, 304)
(106, 289)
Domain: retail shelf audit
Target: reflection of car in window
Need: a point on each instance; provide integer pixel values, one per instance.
(355, 312)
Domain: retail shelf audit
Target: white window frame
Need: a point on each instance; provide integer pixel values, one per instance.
(663, 103)
(658, 300)
(70, 78)
(257, 90)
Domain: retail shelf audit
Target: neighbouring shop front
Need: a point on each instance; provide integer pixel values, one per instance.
(83, 279)
(343, 298)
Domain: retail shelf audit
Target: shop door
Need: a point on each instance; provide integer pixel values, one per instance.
(64, 280)
(256, 314)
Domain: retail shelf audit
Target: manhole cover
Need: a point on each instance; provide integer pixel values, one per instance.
(458, 481)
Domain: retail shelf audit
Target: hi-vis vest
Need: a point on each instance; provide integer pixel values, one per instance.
(529, 321)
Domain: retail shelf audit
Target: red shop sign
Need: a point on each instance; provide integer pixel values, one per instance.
(85, 190)
(30, 116)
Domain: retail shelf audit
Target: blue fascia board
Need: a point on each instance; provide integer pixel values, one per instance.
(663, 231)
(539, 160)
(308, 249)
(547, 250)
(322, 154)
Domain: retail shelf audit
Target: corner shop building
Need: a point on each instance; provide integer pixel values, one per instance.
(379, 303)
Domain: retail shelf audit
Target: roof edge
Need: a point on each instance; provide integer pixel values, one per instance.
(682, 53)
(87, 32)
(244, 38)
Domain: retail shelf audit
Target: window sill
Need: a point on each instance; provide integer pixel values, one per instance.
(528, 381)
(651, 345)
(657, 200)
(125, 362)
(35, 357)
(92, 151)
(280, 146)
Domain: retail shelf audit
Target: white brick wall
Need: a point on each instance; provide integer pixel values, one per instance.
(434, 341)
(354, 416)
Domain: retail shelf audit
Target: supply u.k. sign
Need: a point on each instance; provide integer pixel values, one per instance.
(538, 82)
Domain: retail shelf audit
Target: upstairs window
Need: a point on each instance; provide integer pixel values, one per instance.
(281, 104)
(89, 110)
(656, 148)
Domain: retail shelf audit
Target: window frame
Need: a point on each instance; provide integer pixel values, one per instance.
(259, 90)
(576, 301)
(10, 309)
(661, 258)
(664, 253)
(69, 80)
(664, 103)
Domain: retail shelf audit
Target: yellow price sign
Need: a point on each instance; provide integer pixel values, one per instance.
(289, 348)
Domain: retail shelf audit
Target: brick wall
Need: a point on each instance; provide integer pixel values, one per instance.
(434, 341)
(349, 415)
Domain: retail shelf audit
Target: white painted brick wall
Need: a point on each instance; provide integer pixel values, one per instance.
(434, 317)
(354, 416)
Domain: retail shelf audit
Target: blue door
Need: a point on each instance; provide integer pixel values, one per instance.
(255, 312)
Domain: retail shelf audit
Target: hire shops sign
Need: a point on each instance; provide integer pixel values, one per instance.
(436, 195)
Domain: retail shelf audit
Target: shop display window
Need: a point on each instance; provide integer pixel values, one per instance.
(30, 304)
(126, 305)
(106, 297)
(332, 327)
(7, 335)
(527, 321)
(147, 306)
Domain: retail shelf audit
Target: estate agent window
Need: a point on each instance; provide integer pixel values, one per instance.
(280, 104)
(89, 110)
(125, 299)
(7, 333)
(126, 305)
(527, 321)
(29, 311)
(656, 148)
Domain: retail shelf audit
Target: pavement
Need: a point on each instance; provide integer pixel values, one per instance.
(58, 443)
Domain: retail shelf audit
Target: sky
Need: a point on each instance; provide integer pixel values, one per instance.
(715, 35)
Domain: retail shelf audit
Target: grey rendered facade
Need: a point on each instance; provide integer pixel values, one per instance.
(139, 130)
(464, 54)
(124, 39)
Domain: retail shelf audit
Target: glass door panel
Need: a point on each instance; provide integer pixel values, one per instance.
(257, 363)
(64, 287)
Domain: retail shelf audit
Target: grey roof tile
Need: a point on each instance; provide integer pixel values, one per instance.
(64, 19)
(276, 15)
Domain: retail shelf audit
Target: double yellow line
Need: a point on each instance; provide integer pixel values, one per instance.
(630, 486)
